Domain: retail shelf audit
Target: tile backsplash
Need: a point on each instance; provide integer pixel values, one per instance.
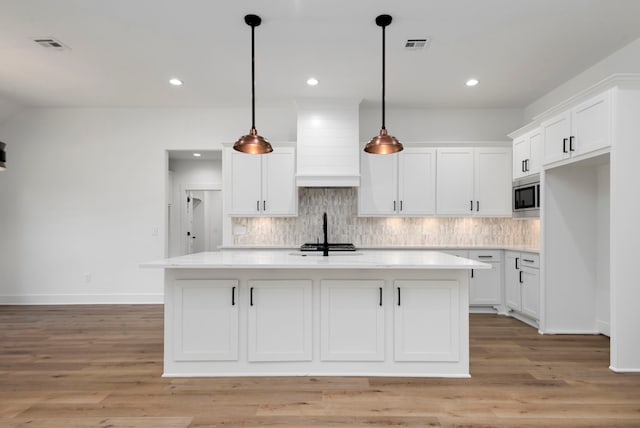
(340, 204)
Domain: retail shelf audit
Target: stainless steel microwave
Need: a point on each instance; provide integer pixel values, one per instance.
(526, 197)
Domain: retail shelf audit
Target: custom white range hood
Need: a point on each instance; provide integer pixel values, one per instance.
(328, 153)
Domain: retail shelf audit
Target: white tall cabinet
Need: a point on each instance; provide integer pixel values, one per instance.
(588, 272)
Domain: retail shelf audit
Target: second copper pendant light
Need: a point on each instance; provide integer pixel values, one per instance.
(383, 143)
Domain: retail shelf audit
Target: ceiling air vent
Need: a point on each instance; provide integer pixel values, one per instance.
(416, 44)
(51, 43)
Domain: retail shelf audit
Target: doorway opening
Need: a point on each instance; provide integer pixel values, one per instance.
(194, 202)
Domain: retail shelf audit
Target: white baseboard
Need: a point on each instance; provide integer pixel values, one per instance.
(604, 327)
(82, 299)
(619, 370)
(570, 332)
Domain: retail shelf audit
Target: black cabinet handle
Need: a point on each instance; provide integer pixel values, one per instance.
(526, 165)
(517, 258)
(571, 143)
(477, 205)
(471, 273)
(527, 260)
(394, 205)
(251, 296)
(264, 205)
(485, 257)
(520, 277)
(522, 167)
(400, 205)
(233, 296)
(257, 205)
(471, 202)
(380, 296)
(398, 296)
(564, 145)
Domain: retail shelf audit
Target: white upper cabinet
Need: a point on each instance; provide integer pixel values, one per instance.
(455, 181)
(492, 181)
(580, 130)
(261, 185)
(474, 181)
(401, 184)
(527, 154)
(417, 181)
(378, 189)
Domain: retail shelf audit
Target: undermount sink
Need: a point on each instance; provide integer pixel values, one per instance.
(331, 253)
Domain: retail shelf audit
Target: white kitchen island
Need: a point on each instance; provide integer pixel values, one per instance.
(278, 312)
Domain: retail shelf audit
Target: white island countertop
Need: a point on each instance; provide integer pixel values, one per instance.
(287, 259)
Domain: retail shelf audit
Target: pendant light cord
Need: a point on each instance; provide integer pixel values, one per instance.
(383, 71)
(253, 79)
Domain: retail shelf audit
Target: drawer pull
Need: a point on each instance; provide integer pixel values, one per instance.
(527, 260)
(398, 296)
(380, 296)
(233, 296)
(485, 257)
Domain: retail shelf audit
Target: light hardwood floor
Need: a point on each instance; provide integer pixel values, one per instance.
(100, 366)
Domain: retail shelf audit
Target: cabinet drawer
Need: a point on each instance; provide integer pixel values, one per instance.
(530, 260)
(486, 255)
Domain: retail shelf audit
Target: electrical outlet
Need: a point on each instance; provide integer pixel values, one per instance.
(155, 231)
(87, 277)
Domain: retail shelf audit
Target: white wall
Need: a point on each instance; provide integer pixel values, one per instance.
(8, 109)
(420, 125)
(625, 60)
(86, 189)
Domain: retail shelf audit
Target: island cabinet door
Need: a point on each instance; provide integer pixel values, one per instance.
(426, 320)
(205, 320)
(352, 320)
(279, 320)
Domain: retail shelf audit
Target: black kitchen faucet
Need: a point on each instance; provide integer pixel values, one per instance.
(325, 243)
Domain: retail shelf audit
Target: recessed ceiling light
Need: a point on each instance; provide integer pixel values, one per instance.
(175, 82)
(312, 81)
(472, 82)
(197, 155)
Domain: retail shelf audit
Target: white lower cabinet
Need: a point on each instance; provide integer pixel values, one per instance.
(522, 283)
(280, 320)
(426, 320)
(352, 320)
(485, 287)
(205, 320)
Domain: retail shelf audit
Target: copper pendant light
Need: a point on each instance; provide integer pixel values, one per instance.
(383, 143)
(253, 143)
(3, 156)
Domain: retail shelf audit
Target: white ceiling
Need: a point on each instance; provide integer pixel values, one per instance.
(124, 51)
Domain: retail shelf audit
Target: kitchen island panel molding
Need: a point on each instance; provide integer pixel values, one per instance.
(446, 334)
